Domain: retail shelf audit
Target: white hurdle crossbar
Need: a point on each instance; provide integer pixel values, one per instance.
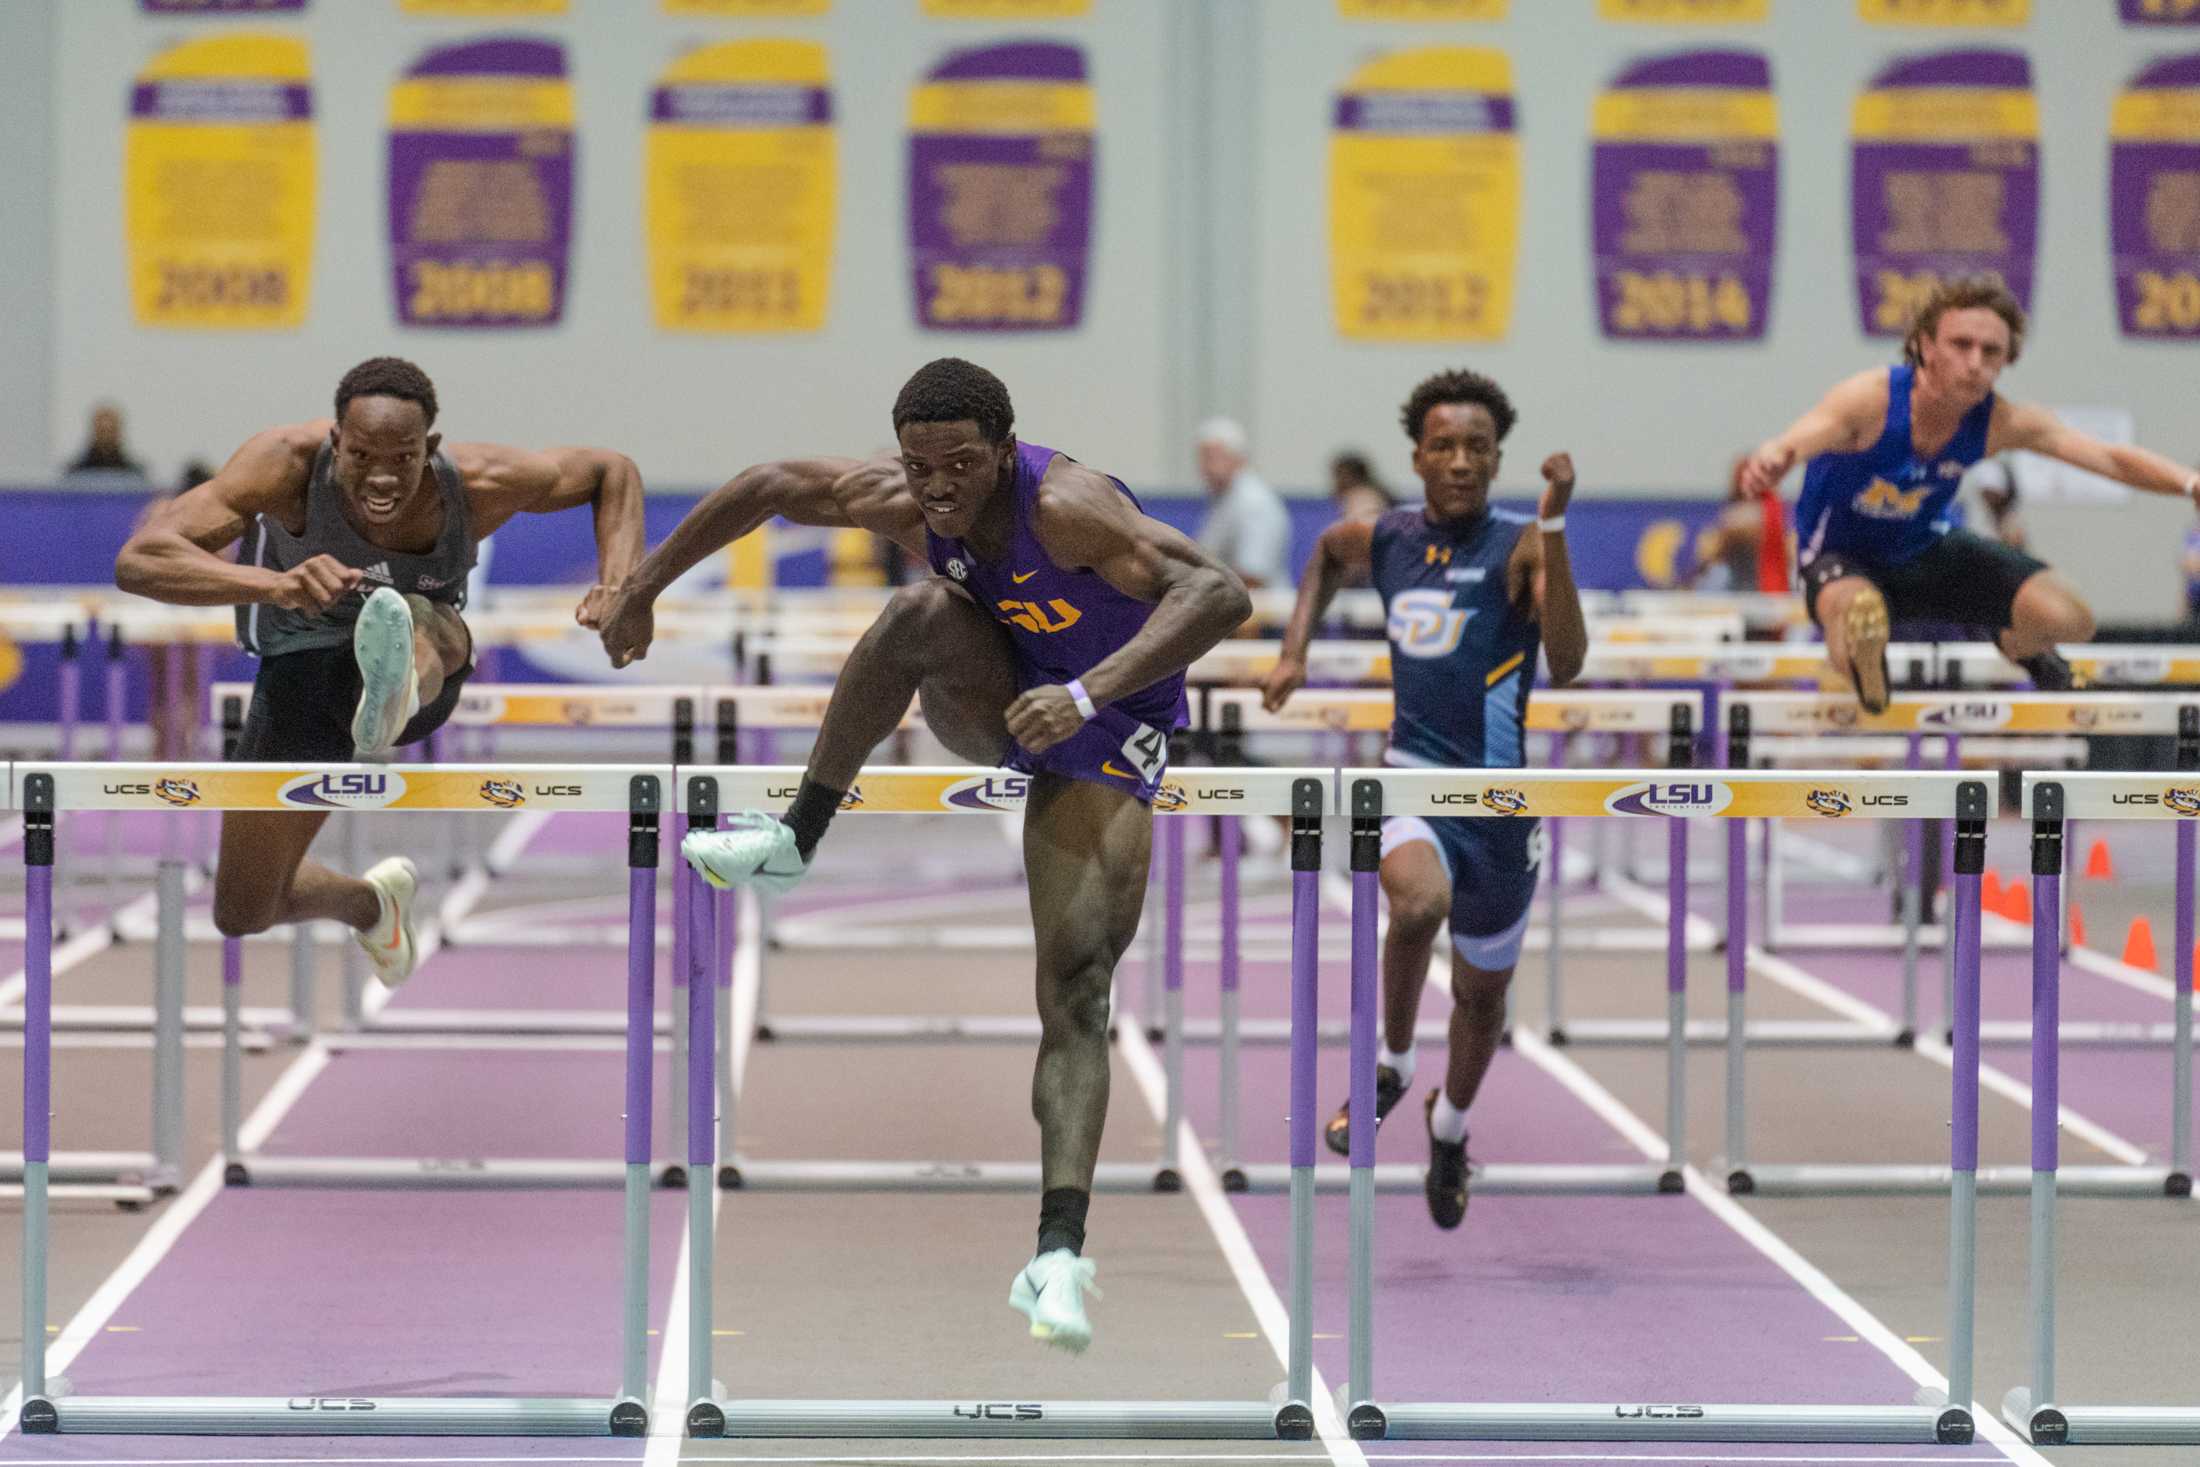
(45, 790)
(1304, 795)
(2050, 802)
(1676, 796)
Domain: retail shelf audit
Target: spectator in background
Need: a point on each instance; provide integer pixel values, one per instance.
(103, 451)
(1746, 547)
(1354, 489)
(1247, 527)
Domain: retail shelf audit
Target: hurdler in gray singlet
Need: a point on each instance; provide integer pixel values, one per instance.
(439, 575)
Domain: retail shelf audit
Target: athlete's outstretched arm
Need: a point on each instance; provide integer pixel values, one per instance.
(174, 557)
(1541, 576)
(1344, 547)
(833, 493)
(1085, 522)
(2025, 425)
(501, 482)
(1843, 420)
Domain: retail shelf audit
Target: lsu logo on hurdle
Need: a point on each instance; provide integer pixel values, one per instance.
(988, 792)
(1505, 801)
(1681, 797)
(1832, 804)
(2185, 802)
(360, 790)
(505, 794)
(177, 792)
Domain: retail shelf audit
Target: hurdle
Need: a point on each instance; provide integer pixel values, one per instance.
(1676, 797)
(1303, 794)
(45, 790)
(2096, 665)
(2050, 802)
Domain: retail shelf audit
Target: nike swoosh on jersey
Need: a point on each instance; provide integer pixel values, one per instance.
(1107, 766)
(1020, 579)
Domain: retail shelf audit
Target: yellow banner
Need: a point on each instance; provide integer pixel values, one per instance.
(1007, 9)
(1921, 114)
(1424, 197)
(2160, 114)
(219, 185)
(741, 182)
(1980, 13)
(1685, 114)
(1685, 12)
(1010, 107)
(1423, 9)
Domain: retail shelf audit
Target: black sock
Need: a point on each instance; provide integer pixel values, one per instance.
(813, 809)
(1062, 1219)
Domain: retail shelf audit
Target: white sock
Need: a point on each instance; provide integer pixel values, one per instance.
(1401, 1063)
(1447, 1122)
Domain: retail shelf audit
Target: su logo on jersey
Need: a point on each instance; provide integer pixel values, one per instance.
(1883, 501)
(1056, 616)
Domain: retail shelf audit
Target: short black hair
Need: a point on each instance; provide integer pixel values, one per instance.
(1458, 386)
(951, 390)
(387, 377)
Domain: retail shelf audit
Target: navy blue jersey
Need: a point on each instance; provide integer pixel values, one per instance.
(1887, 504)
(1462, 656)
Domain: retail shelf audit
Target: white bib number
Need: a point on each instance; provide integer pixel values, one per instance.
(1147, 751)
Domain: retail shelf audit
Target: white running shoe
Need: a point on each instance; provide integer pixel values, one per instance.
(755, 850)
(389, 684)
(390, 943)
(1051, 1293)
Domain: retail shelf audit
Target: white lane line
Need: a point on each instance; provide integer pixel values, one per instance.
(1230, 1236)
(1609, 1108)
(668, 1399)
(184, 1209)
(1998, 1081)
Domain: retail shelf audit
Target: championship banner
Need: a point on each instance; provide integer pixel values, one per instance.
(481, 185)
(1424, 197)
(2161, 12)
(1001, 155)
(749, 9)
(1979, 13)
(218, 185)
(2154, 200)
(479, 9)
(1945, 180)
(740, 186)
(220, 7)
(1423, 9)
(1685, 198)
(1007, 9)
(1685, 12)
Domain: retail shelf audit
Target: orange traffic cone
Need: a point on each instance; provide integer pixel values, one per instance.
(2077, 925)
(2139, 946)
(2097, 865)
(1990, 893)
(2016, 903)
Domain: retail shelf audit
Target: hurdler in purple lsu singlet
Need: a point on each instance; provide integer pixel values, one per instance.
(1063, 623)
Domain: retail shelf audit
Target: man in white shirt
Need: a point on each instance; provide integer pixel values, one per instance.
(1247, 527)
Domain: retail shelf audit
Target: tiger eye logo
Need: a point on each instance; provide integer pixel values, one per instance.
(1504, 801)
(2183, 801)
(1830, 803)
(177, 792)
(1169, 798)
(505, 794)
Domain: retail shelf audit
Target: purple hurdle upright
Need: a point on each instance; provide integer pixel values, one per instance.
(1308, 806)
(705, 1417)
(38, 843)
(641, 1060)
(1232, 836)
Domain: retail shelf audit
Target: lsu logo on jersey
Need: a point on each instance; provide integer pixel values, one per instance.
(1881, 500)
(1033, 617)
(1426, 624)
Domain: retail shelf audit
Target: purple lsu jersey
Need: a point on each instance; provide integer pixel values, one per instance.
(1062, 623)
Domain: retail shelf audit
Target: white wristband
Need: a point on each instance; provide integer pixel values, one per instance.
(1553, 525)
(1086, 709)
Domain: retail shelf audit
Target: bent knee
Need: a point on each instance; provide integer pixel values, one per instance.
(1419, 914)
(242, 917)
(1079, 1007)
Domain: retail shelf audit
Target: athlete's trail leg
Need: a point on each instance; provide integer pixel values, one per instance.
(1419, 893)
(2048, 610)
(263, 878)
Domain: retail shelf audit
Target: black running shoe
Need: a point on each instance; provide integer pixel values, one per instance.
(1446, 1183)
(2049, 673)
(1389, 1090)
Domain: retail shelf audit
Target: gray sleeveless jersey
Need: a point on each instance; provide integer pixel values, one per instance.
(439, 575)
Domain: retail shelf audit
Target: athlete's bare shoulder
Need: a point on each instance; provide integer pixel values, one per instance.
(1859, 402)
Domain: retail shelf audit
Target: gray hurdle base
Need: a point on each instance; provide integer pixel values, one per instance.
(2049, 802)
(1305, 795)
(1371, 795)
(45, 790)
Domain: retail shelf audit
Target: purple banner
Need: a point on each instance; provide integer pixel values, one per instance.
(2154, 201)
(481, 186)
(1001, 158)
(219, 7)
(1944, 181)
(2161, 12)
(1684, 198)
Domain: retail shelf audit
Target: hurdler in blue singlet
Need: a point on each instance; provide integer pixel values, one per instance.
(1887, 504)
(1062, 623)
